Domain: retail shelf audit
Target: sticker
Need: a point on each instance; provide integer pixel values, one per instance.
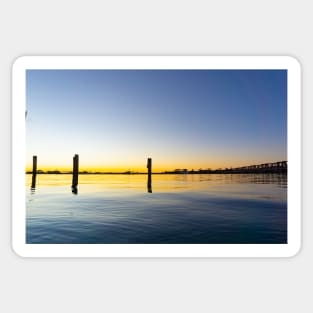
(156, 156)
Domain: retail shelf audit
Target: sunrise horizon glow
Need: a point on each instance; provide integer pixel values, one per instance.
(115, 119)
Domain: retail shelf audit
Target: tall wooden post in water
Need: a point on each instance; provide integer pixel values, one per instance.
(149, 166)
(75, 171)
(34, 171)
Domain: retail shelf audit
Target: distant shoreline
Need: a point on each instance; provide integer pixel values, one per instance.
(228, 171)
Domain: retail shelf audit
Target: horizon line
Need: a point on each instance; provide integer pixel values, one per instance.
(269, 165)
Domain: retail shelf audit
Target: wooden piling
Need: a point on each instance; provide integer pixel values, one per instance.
(149, 183)
(149, 165)
(34, 171)
(75, 171)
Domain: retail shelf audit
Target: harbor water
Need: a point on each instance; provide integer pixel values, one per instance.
(175, 209)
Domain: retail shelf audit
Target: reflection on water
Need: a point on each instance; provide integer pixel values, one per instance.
(74, 190)
(163, 182)
(149, 183)
(198, 208)
(32, 189)
(33, 186)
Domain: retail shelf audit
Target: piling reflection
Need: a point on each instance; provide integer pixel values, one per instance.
(33, 185)
(149, 183)
(74, 190)
(169, 183)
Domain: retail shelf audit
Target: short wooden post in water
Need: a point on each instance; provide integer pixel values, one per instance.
(75, 171)
(149, 166)
(34, 171)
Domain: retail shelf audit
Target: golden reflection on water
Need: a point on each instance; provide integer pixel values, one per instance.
(191, 208)
(269, 185)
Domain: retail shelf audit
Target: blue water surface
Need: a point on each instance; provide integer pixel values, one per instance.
(179, 209)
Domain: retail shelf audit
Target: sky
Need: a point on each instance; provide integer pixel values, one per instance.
(116, 119)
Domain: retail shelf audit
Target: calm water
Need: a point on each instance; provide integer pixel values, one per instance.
(247, 208)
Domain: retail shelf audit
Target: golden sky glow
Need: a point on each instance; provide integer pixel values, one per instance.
(191, 119)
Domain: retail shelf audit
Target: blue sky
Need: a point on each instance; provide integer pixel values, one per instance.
(115, 119)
